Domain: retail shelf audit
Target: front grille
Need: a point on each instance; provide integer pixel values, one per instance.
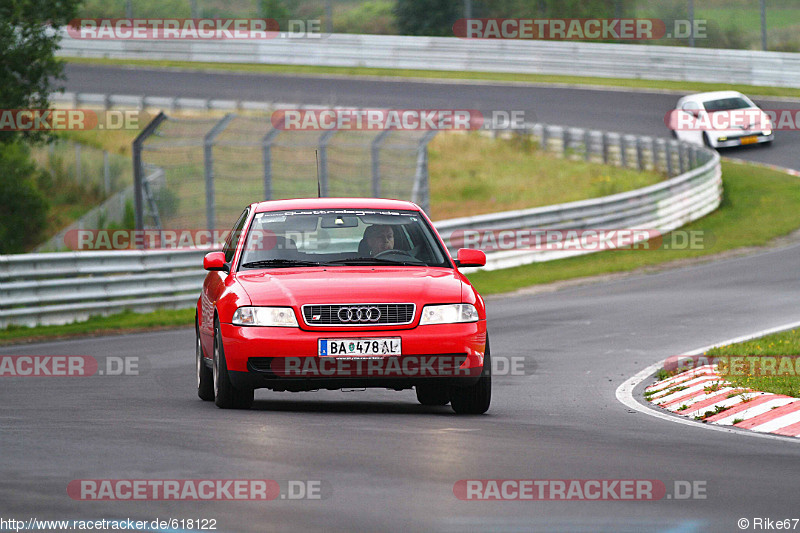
(358, 314)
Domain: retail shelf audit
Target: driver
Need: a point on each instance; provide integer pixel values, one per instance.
(379, 238)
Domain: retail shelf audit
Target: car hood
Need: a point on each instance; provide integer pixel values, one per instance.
(300, 286)
(754, 120)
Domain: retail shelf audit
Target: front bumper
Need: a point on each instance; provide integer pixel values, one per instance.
(736, 139)
(287, 359)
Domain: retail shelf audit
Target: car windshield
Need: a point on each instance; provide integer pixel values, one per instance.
(726, 104)
(341, 237)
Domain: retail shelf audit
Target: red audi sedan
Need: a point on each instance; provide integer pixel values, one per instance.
(341, 293)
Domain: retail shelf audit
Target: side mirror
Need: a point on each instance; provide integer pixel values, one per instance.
(467, 257)
(215, 261)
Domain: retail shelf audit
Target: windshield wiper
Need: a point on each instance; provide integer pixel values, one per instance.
(266, 263)
(372, 261)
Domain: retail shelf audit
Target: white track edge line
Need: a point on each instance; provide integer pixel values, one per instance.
(624, 392)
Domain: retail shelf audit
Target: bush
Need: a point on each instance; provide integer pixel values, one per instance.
(373, 17)
(23, 207)
(427, 17)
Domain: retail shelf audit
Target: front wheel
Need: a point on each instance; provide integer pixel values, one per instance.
(475, 399)
(226, 396)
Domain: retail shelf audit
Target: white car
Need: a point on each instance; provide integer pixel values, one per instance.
(719, 120)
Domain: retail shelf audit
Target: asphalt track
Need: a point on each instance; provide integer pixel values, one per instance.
(640, 113)
(388, 463)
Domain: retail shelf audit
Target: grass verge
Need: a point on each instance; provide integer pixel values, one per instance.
(786, 378)
(471, 174)
(126, 322)
(758, 205)
(683, 86)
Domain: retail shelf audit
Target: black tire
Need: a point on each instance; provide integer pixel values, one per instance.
(475, 399)
(205, 378)
(433, 394)
(706, 141)
(226, 396)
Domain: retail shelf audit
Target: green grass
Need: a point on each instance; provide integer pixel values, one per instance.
(758, 205)
(778, 344)
(125, 322)
(683, 86)
(471, 174)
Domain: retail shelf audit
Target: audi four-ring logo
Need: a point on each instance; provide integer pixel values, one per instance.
(359, 314)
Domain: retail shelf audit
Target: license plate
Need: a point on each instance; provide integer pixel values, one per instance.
(364, 347)
(750, 140)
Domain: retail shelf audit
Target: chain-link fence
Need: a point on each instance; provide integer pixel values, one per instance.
(102, 172)
(213, 167)
(79, 172)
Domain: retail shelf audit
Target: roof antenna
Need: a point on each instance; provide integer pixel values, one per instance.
(319, 189)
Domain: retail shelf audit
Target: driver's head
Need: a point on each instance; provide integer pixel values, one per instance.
(379, 238)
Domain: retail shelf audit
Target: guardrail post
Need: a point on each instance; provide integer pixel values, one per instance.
(564, 141)
(623, 156)
(639, 154)
(106, 174)
(208, 166)
(668, 155)
(78, 177)
(138, 178)
(324, 139)
(545, 131)
(587, 140)
(604, 144)
(266, 152)
(377, 142)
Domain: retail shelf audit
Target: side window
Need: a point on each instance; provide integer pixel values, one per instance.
(233, 238)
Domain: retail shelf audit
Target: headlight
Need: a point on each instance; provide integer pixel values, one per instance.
(265, 316)
(448, 314)
(767, 132)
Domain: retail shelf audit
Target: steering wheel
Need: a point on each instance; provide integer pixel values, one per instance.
(395, 252)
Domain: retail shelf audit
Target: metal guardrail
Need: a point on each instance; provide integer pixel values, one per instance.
(629, 61)
(59, 288)
(65, 287)
(692, 194)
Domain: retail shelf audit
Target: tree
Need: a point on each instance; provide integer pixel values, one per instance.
(23, 207)
(29, 71)
(427, 17)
